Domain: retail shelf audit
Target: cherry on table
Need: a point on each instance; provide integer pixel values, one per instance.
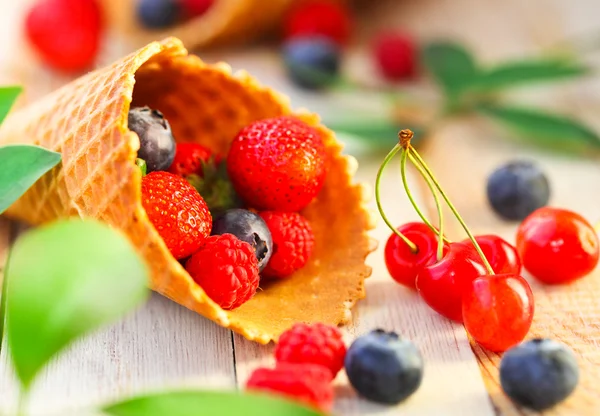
(502, 256)
(557, 245)
(497, 310)
(404, 265)
(443, 283)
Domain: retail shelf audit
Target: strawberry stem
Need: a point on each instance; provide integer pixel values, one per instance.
(405, 136)
(388, 158)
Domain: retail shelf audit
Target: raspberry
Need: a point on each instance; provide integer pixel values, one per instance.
(395, 55)
(293, 242)
(226, 269)
(65, 33)
(317, 344)
(306, 383)
(326, 18)
(189, 159)
(195, 8)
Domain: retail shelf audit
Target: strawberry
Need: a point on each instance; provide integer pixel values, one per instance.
(177, 211)
(189, 159)
(65, 33)
(277, 164)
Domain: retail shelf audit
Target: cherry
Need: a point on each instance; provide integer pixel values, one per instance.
(441, 284)
(402, 263)
(557, 245)
(502, 255)
(497, 310)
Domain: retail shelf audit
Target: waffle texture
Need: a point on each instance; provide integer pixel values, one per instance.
(86, 121)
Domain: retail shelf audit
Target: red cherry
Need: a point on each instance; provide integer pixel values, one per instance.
(404, 265)
(396, 56)
(501, 255)
(320, 17)
(442, 284)
(65, 33)
(195, 8)
(557, 246)
(497, 310)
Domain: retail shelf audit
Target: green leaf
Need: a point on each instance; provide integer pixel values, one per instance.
(141, 163)
(452, 66)
(527, 72)
(3, 306)
(8, 95)
(66, 279)
(553, 130)
(22, 166)
(208, 403)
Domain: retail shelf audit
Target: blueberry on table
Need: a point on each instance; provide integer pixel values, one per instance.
(158, 14)
(249, 227)
(384, 368)
(517, 189)
(157, 145)
(312, 62)
(539, 374)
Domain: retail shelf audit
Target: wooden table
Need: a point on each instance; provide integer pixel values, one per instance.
(164, 344)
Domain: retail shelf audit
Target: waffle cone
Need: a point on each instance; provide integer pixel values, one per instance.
(86, 121)
(226, 22)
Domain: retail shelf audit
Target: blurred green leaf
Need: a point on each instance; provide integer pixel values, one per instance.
(208, 403)
(66, 279)
(549, 129)
(22, 166)
(527, 72)
(3, 307)
(8, 95)
(452, 66)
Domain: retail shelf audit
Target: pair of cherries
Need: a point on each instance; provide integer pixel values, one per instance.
(496, 310)
(556, 246)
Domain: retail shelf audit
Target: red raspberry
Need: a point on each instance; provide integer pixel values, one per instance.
(277, 164)
(317, 344)
(177, 211)
(194, 8)
(319, 17)
(189, 159)
(65, 33)
(306, 383)
(293, 242)
(396, 56)
(226, 269)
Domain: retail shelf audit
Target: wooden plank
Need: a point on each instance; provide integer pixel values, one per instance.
(444, 345)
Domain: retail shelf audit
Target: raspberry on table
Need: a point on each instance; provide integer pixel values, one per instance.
(317, 344)
(293, 242)
(320, 17)
(309, 384)
(226, 269)
(396, 56)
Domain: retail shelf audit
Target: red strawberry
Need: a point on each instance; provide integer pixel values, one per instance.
(226, 268)
(320, 17)
(293, 241)
(306, 383)
(65, 33)
(396, 55)
(189, 159)
(177, 211)
(277, 164)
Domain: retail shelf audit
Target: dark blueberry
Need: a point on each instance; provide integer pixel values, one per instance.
(248, 227)
(158, 14)
(312, 62)
(384, 368)
(157, 145)
(517, 189)
(539, 373)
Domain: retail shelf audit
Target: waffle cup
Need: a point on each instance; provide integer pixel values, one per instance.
(86, 121)
(226, 22)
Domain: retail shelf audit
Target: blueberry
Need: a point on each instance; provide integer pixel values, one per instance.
(248, 227)
(158, 14)
(539, 373)
(384, 368)
(157, 145)
(517, 189)
(312, 62)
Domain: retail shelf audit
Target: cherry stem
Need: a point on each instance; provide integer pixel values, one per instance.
(440, 233)
(390, 156)
(416, 155)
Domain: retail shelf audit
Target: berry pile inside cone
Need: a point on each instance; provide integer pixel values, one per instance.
(235, 219)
